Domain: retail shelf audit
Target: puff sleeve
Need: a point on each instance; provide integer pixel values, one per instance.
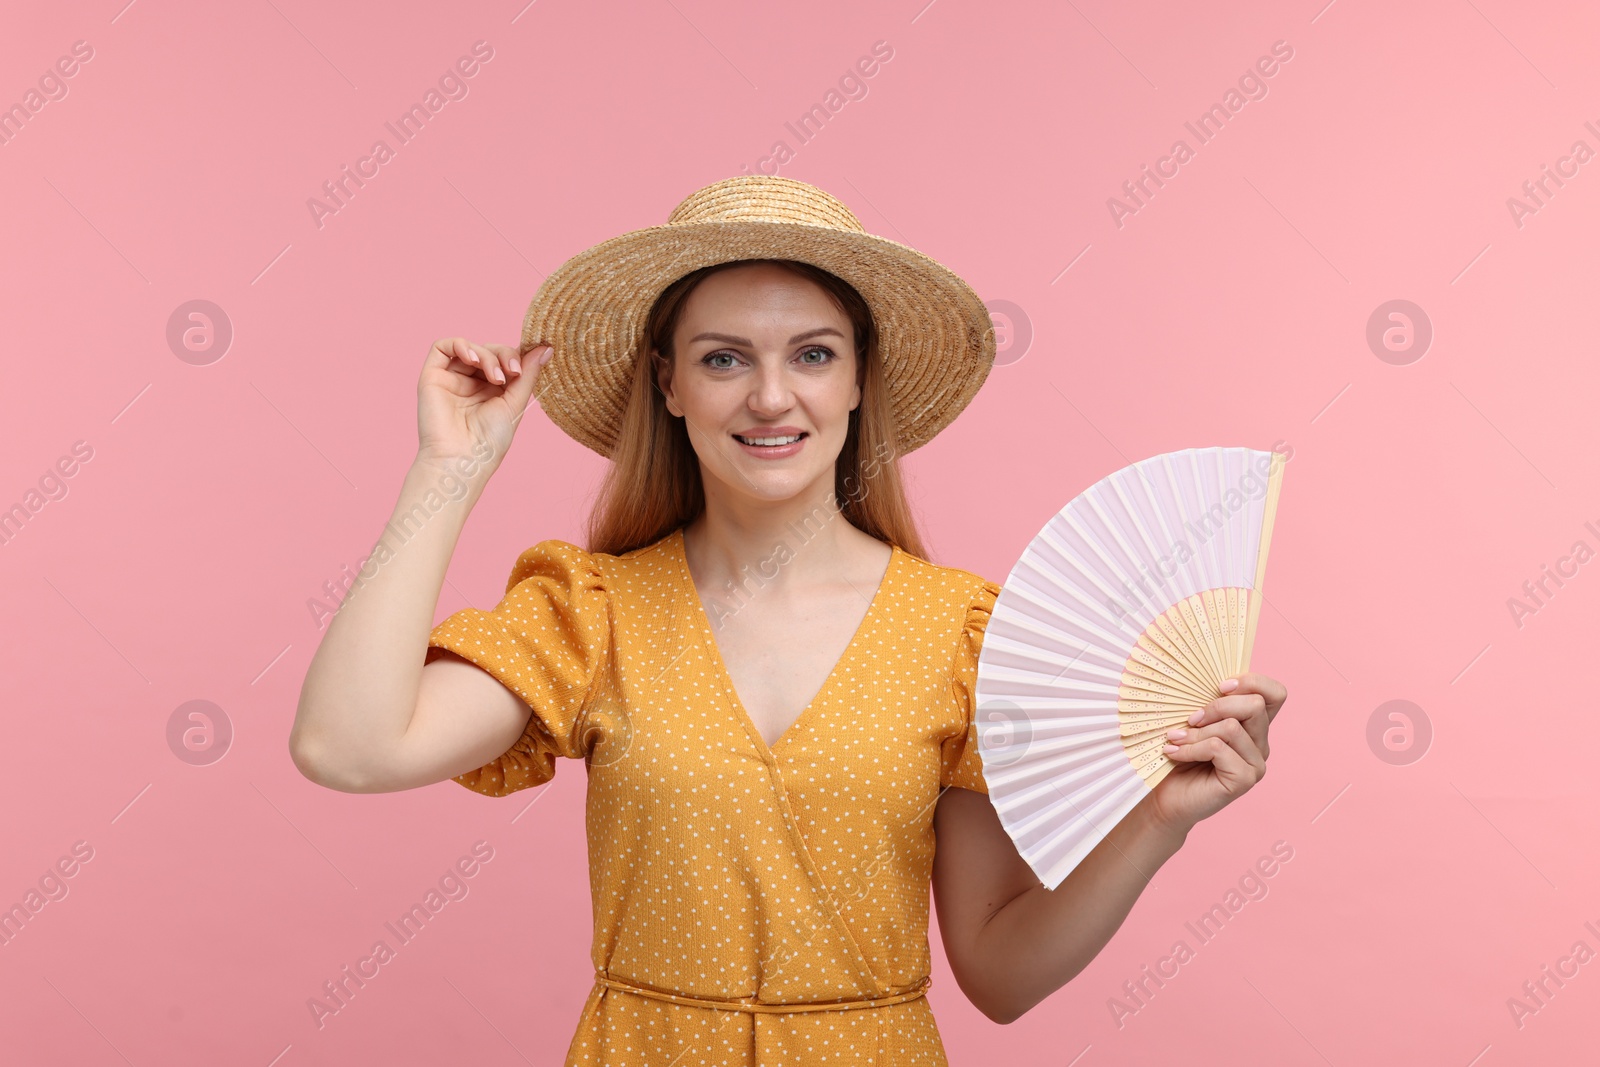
(547, 641)
(960, 762)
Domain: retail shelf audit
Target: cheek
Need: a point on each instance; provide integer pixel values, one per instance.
(834, 399)
(708, 399)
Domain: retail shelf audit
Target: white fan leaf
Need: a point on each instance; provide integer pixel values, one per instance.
(1121, 618)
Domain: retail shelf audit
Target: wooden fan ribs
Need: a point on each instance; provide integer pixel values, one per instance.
(1176, 665)
(1181, 644)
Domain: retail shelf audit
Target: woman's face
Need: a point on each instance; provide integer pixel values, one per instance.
(763, 353)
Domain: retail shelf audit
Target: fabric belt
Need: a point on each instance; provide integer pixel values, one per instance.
(749, 1003)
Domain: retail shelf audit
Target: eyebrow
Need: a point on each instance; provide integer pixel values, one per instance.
(727, 338)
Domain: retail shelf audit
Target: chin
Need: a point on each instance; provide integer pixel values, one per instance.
(751, 481)
(776, 487)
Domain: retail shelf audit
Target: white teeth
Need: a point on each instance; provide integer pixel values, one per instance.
(769, 440)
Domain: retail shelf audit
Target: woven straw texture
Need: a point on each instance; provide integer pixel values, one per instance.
(935, 335)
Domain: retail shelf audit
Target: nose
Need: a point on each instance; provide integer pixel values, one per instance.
(772, 391)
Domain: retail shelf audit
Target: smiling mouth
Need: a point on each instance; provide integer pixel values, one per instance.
(769, 442)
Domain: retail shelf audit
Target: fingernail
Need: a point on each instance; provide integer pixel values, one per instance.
(1194, 720)
(1229, 686)
(1177, 734)
(545, 358)
(494, 372)
(516, 365)
(1169, 749)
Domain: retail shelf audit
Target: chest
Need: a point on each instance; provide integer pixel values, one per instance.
(780, 656)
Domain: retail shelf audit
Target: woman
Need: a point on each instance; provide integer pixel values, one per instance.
(774, 705)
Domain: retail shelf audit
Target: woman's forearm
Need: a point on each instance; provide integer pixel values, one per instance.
(361, 688)
(1040, 940)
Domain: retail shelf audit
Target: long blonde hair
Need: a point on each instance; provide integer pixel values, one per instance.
(653, 484)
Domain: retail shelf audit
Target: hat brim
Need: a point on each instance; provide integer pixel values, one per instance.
(935, 335)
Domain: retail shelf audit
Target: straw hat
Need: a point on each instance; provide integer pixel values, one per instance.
(935, 336)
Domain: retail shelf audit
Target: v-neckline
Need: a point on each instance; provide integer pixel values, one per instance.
(703, 624)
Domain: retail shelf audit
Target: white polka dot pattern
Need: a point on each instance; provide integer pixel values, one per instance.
(722, 868)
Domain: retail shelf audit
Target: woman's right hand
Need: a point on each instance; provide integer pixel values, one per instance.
(471, 393)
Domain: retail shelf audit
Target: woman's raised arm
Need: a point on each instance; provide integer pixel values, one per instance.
(371, 718)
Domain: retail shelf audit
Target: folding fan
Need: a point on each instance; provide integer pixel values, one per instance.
(1120, 620)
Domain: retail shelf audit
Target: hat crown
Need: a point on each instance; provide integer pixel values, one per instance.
(764, 198)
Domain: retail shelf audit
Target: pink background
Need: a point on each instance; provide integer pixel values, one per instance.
(1231, 308)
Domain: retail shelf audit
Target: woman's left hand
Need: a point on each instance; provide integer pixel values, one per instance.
(1220, 754)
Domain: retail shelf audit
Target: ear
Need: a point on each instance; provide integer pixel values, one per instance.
(663, 372)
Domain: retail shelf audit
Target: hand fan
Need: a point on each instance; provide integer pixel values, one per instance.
(1120, 620)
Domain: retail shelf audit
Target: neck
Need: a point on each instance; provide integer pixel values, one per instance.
(804, 534)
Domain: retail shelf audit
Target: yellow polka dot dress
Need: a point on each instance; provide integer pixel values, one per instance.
(752, 905)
